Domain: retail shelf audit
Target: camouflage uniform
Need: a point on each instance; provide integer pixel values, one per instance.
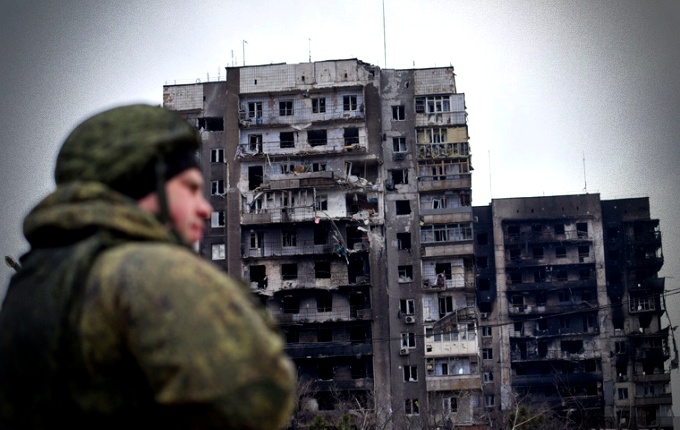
(111, 322)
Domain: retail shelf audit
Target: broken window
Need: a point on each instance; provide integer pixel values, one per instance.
(399, 176)
(351, 135)
(324, 334)
(255, 177)
(583, 252)
(399, 144)
(291, 304)
(582, 230)
(217, 219)
(403, 207)
(218, 251)
(318, 167)
(405, 273)
(561, 275)
(516, 277)
(349, 103)
(357, 334)
(443, 269)
(564, 296)
(398, 113)
(358, 370)
(571, 346)
(623, 393)
(484, 284)
(482, 239)
(407, 306)
(320, 235)
(410, 374)
(325, 371)
(217, 155)
(255, 110)
(445, 305)
(638, 304)
(537, 253)
(450, 404)
(286, 108)
(486, 331)
(211, 124)
(404, 241)
(289, 271)
(559, 229)
(489, 400)
(411, 407)
(322, 270)
(408, 340)
(292, 335)
(321, 203)
(319, 105)
(482, 262)
(217, 187)
(560, 252)
(316, 137)
(287, 139)
(324, 301)
(258, 274)
(289, 238)
(255, 143)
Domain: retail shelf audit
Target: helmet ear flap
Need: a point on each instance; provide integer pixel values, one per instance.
(164, 210)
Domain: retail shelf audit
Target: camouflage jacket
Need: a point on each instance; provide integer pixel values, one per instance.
(110, 324)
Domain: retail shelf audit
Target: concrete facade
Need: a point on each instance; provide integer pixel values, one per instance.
(342, 198)
(571, 309)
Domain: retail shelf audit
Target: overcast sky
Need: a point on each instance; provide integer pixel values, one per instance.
(562, 96)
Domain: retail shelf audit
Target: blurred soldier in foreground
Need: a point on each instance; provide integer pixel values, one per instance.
(112, 321)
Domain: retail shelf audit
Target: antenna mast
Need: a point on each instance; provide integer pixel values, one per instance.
(384, 35)
(585, 182)
(309, 42)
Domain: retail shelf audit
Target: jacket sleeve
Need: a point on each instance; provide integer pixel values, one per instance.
(199, 337)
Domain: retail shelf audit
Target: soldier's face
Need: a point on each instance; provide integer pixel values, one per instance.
(187, 206)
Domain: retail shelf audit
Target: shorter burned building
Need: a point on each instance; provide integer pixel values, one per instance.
(570, 302)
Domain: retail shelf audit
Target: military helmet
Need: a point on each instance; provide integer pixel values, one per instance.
(120, 148)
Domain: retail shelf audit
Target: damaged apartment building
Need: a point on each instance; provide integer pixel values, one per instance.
(570, 304)
(342, 197)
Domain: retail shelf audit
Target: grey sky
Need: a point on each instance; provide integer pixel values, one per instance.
(547, 83)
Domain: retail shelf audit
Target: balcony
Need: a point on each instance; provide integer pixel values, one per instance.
(328, 349)
(447, 215)
(542, 286)
(654, 400)
(441, 119)
(547, 237)
(444, 249)
(584, 306)
(655, 377)
(444, 183)
(519, 356)
(307, 315)
(357, 384)
(453, 383)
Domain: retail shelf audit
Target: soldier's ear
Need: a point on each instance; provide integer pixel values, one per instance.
(149, 203)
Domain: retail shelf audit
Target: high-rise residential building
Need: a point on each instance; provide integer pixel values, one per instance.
(342, 199)
(571, 307)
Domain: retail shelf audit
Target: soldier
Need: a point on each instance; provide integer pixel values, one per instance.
(112, 321)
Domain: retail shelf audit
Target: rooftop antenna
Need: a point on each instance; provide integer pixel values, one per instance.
(490, 193)
(244, 51)
(309, 44)
(585, 182)
(232, 58)
(384, 35)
